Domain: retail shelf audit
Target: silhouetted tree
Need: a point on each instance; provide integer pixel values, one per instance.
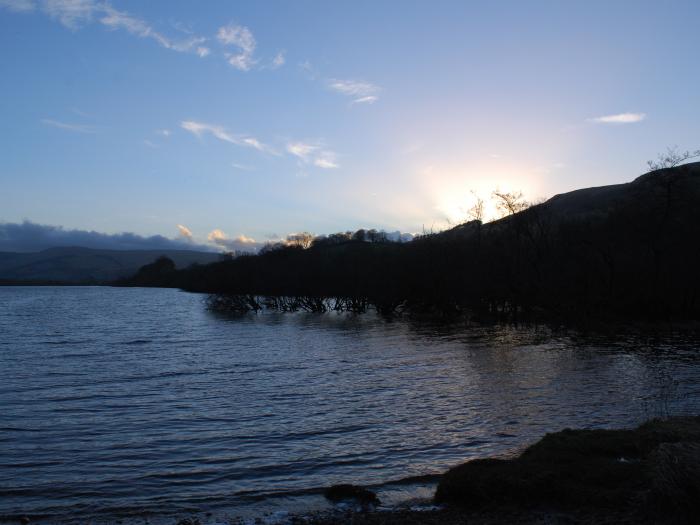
(509, 203)
(672, 158)
(271, 247)
(359, 235)
(160, 272)
(375, 236)
(634, 256)
(476, 212)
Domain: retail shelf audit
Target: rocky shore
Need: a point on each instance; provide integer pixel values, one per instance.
(647, 475)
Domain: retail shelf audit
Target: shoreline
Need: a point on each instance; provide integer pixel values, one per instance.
(646, 475)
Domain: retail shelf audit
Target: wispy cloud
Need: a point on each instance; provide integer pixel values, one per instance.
(313, 153)
(74, 14)
(77, 128)
(326, 160)
(307, 153)
(242, 38)
(115, 19)
(18, 6)
(163, 132)
(201, 128)
(80, 113)
(279, 60)
(242, 167)
(620, 118)
(301, 149)
(361, 92)
(369, 99)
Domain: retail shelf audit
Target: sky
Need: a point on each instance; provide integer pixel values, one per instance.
(229, 124)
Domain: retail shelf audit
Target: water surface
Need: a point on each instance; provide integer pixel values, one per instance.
(132, 402)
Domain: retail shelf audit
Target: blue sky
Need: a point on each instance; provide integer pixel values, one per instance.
(258, 119)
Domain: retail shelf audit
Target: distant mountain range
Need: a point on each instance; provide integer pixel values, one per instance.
(86, 265)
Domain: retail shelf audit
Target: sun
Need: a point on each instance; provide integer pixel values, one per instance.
(455, 192)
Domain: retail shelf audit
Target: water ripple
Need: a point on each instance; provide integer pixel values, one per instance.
(130, 402)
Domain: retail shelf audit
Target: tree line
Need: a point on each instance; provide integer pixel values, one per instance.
(635, 258)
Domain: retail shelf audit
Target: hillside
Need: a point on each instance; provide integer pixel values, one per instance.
(86, 265)
(623, 251)
(658, 189)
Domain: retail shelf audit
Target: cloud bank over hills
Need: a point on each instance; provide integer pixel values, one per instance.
(28, 236)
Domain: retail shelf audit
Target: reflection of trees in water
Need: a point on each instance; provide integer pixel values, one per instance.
(521, 379)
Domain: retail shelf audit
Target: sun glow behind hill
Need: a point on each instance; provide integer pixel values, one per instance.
(454, 191)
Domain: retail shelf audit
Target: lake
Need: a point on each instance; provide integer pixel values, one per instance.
(118, 403)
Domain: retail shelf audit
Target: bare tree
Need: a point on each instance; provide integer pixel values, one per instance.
(672, 158)
(476, 212)
(509, 203)
(300, 240)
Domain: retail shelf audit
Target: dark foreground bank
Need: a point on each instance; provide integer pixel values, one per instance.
(648, 475)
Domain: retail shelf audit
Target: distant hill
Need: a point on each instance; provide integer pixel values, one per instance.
(87, 265)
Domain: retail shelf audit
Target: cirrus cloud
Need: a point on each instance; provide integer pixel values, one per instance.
(361, 92)
(77, 128)
(75, 14)
(200, 129)
(619, 118)
(313, 153)
(18, 5)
